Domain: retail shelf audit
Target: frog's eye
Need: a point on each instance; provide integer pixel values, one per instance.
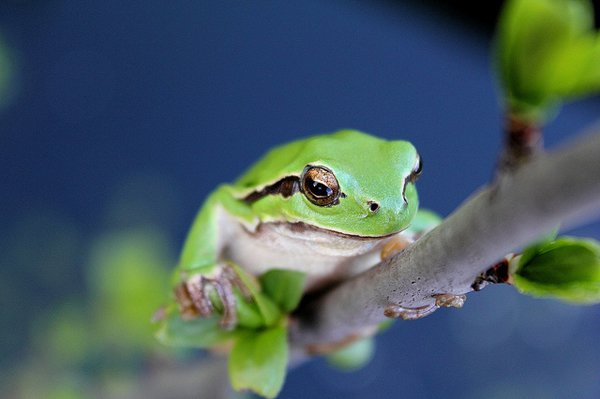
(416, 172)
(320, 186)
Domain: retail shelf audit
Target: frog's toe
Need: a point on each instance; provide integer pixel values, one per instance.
(396, 244)
(449, 300)
(441, 301)
(406, 313)
(192, 298)
(196, 294)
(223, 285)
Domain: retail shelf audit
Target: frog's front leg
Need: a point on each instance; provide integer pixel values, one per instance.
(204, 284)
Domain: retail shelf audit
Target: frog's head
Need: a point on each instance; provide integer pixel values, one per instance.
(348, 182)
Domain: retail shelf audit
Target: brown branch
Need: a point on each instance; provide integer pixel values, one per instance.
(523, 139)
(558, 187)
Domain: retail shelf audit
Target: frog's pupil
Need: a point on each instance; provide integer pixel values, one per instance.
(319, 189)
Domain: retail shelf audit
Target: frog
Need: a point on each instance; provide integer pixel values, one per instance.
(330, 206)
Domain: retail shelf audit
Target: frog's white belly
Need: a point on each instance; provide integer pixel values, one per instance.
(323, 255)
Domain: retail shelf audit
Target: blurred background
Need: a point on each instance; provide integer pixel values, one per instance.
(118, 118)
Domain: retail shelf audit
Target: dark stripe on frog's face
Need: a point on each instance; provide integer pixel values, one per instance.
(285, 187)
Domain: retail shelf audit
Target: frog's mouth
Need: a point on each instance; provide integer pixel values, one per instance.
(301, 230)
(302, 239)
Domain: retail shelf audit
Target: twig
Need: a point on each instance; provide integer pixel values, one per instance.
(523, 139)
(558, 187)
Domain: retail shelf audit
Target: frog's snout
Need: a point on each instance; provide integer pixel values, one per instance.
(392, 210)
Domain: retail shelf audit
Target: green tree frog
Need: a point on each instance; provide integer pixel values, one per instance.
(328, 205)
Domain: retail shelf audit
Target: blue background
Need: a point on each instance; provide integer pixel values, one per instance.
(129, 113)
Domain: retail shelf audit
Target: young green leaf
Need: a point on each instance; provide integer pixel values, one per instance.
(353, 356)
(547, 51)
(284, 287)
(424, 220)
(578, 68)
(268, 309)
(532, 250)
(248, 313)
(258, 361)
(197, 333)
(567, 269)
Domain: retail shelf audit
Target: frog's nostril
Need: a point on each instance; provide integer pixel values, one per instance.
(373, 206)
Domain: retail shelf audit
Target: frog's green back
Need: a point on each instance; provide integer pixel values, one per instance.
(350, 147)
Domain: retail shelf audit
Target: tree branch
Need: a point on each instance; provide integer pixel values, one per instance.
(554, 188)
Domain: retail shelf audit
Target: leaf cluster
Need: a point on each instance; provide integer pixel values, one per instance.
(547, 51)
(258, 345)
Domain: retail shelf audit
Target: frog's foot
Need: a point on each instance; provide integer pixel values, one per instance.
(394, 245)
(441, 301)
(449, 300)
(194, 295)
(405, 313)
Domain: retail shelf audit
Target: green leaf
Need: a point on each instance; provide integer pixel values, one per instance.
(197, 333)
(547, 51)
(284, 287)
(268, 309)
(126, 271)
(533, 249)
(353, 356)
(258, 361)
(577, 70)
(385, 325)
(567, 269)
(248, 313)
(424, 220)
